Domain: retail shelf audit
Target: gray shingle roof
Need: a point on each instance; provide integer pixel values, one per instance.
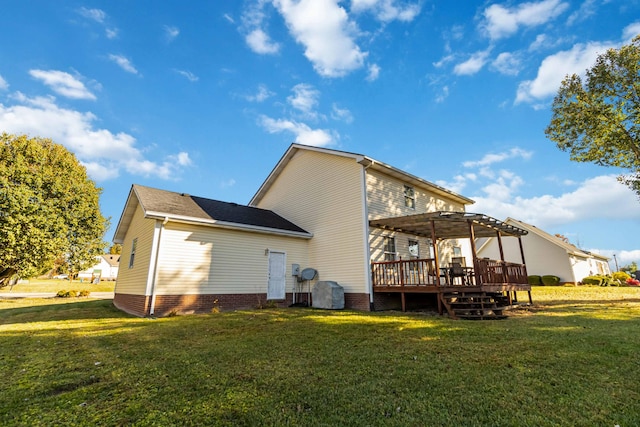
(171, 204)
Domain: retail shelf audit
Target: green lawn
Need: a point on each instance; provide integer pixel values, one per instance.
(572, 359)
(53, 285)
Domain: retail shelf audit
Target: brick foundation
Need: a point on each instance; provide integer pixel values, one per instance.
(139, 305)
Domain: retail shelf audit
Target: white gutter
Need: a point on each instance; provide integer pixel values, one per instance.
(228, 225)
(152, 307)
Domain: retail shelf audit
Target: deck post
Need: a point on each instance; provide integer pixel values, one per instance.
(436, 258)
(500, 245)
(404, 302)
(474, 254)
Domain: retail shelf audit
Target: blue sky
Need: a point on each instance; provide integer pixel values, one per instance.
(204, 97)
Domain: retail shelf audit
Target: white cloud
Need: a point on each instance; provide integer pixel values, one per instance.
(324, 29)
(445, 60)
(615, 201)
(124, 63)
(97, 15)
(304, 98)
(473, 64)
(261, 95)
(229, 18)
(555, 67)
(171, 32)
(63, 84)
(443, 95)
(341, 114)
(228, 183)
(492, 158)
(303, 133)
(507, 63)
(386, 10)
(587, 9)
(630, 31)
(374, 73)
(3, 84)
(100, 17)
(111, 33)
(502, 21)
(104, 153)
(259, 42)
(188, 75)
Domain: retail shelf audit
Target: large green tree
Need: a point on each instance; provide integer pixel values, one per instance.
(599, 120)
(49, 209)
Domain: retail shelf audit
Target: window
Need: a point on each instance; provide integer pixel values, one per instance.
(389, 249)
(409, 197)
(133, 252)
(457, 251)
(414, 249)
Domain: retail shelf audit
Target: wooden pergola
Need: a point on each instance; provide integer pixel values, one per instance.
(427, 275)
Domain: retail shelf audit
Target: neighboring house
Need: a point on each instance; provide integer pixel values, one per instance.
(106, 268)
(547, 254)
(316, 209)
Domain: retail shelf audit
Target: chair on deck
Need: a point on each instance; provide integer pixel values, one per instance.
(457, 270)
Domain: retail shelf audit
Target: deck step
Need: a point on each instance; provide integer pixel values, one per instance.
(475, 305)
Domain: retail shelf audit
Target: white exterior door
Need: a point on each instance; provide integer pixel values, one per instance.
(277, 270)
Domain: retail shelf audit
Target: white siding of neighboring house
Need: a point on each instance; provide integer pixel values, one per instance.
(207, 260)
(385, 198)
(133, 281)
(107, 271)
(323, 194)
(542, 257)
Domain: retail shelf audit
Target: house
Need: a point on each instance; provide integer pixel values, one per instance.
(547, 254)
(343, 214)
(106, 268)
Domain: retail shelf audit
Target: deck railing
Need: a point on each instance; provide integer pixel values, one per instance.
(492, 271)
(415, 272)
(422, 272)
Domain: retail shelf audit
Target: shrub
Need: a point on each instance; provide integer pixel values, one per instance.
(62, 294)
(84, 293)
(597, 280)
(535, 280)
(620, 277)
(550, 280)
(72, 294)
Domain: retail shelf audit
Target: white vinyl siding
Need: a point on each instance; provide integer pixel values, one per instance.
(386, 198)
(377, 245)
(207, 260)
(133, 280)
(323, 193)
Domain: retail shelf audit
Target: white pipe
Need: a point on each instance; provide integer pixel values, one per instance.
(152, 307)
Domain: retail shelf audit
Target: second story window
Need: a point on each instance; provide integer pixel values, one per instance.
(409, 197)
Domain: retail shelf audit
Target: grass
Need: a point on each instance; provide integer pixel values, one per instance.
(571, 359)
(53, 285)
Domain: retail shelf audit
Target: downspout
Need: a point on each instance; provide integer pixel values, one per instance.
(367, 236)
(152, 307)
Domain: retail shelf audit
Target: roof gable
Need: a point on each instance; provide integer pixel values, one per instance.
(181, 207)
(358, 158)
(570, 248)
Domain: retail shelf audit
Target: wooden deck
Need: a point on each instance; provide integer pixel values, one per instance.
(424, 276)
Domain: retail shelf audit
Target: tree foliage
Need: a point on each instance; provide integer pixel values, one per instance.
(49, 209)
(599, 121)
